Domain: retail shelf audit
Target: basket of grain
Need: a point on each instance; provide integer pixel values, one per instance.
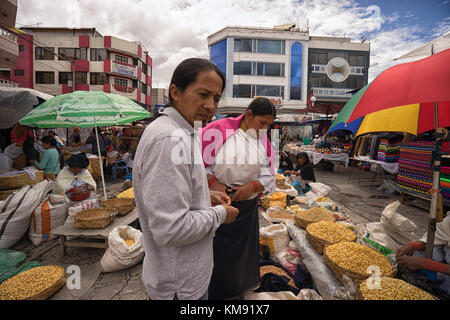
(38, 283)
(280, 179)
(122, 205)
(16, 181)
(304, 217)
(385, 288)
(356, 260)
(274, 215)
(96, 218)
(323, 233)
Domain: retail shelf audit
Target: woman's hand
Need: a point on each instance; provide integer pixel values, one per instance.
(411, 263)
(405, 250)
(218, 187)
(243, 192)
(218, 198)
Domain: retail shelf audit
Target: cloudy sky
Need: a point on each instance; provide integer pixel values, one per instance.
(172, 30)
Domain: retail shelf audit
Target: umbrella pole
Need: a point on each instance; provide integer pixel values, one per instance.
(101, 160)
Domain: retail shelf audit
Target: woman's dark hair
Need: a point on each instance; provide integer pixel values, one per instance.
(303, 155)
(49, 140)
(186, 73)
(262, 106)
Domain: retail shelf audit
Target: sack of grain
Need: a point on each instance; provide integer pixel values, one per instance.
(276, 237)
(125, 249)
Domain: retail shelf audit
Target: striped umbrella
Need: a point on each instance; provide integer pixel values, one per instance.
(85, 109)
(411, 97)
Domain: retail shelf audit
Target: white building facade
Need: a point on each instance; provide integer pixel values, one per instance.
(271, 62)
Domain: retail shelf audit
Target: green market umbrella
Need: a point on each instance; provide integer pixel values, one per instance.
(85, 109)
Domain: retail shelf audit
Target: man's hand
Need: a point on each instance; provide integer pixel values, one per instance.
(411, 263)
(218, 198)
(243, 192)
(406, 249)
(232, 213)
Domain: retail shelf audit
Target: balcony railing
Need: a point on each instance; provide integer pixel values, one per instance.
(8, 35)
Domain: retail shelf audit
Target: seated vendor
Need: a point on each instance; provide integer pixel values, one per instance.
(304, 168)
(75, 180)
(285, 162)
(412, 255)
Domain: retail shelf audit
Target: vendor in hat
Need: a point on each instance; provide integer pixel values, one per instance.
(412, 256)
(75, 180)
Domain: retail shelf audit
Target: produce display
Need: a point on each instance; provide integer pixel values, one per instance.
(304, 217)
(127, 194)
(391, 289)
(324, 233)
(280, 215)
(37, 283)
(356, 260)
(280, 179)
(276, 199)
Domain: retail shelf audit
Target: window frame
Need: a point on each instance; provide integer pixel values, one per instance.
(44, 72)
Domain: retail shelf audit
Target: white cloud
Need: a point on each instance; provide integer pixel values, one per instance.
(177, 29)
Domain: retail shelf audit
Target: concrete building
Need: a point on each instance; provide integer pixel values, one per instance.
(99, 63)
(9, 44)
(276, 63)
(159, 96)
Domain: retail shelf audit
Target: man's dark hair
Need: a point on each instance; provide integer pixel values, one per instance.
(49, 140)
(262, 106)
(187, 71)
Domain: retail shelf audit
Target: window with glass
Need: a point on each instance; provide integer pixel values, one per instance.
(271, 46)
(5, 73)
(99, 54)
(270, 69)
(19, 72)
(144, 68)
(242, 45)
(98, 78)
(45, 77)
(144, 89)
(72, 53)
(44, 53)
(219, 55)
(242, 68)
(269, 91)
(296, 71)
(121, 82)
(81, 77)
(64, 77)
(120, 58)
(242, 91)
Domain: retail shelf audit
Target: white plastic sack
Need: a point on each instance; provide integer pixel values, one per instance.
(277, 238)
(319, 189)
(119, 255)
(5, 163)
(307, 199)
(48, 215)
(394, 220)
(13, 151)
(16, 210)
(326, 283)
(304, 294)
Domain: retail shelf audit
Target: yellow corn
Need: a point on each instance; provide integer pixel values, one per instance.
(358, 258)
(385, 288)
(330, 231)
(127, 194)
(30, 282)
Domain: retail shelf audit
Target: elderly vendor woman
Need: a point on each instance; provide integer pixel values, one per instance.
(75, 180)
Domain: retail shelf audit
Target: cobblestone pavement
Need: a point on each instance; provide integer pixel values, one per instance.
(358, 200)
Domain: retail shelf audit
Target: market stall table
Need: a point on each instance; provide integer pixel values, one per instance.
(334, 157)
(91, 235)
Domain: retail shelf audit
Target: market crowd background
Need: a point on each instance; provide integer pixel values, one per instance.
(172, 30)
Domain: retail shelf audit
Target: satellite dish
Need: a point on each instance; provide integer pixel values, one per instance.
(338, 69)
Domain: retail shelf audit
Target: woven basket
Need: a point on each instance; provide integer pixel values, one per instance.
(39, 177)
(42, 274)
(19, 180)
(425, 295)
(95, 218)
(123, 206)
(4, 194)
(338, 271)
(302, 220)
(44, 295)
(319, 244)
